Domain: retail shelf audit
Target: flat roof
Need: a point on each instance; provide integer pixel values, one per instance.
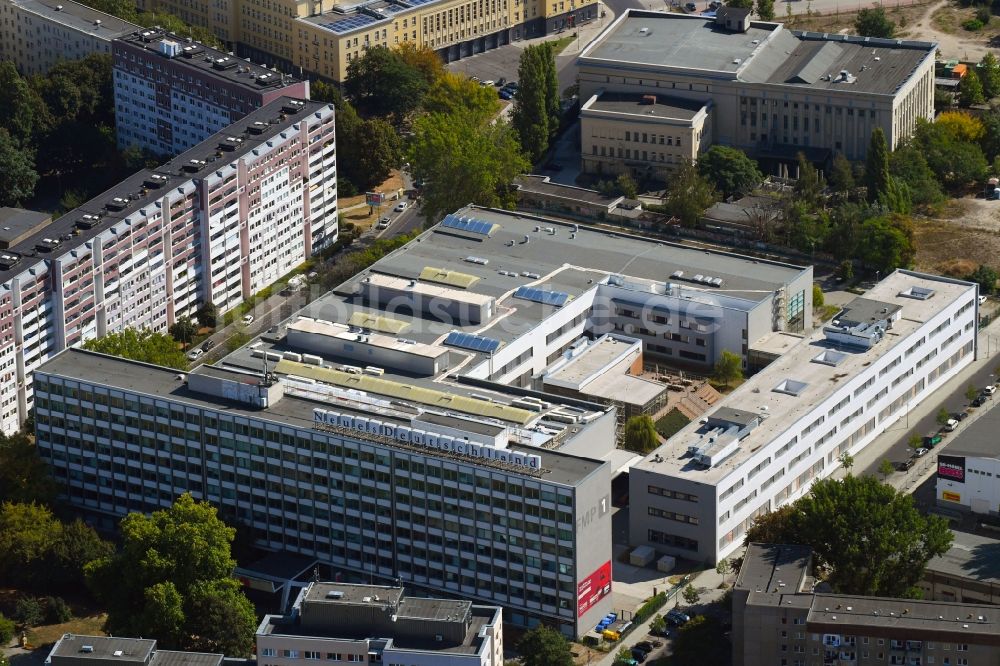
(78, 16)
(678, 41)
(665, 108)
(136, 194)
(176, 658)
(239, 71)
(974, 622)
(347, 593)
(765, 53)
(103, 647)
(543, 185)
(417, 608)
(159, 382)
(595, 357)
(866, 311)
(766, 566)
(343, 332)
(18, 223)
(818, 380)
(972, 557)
(979, 438)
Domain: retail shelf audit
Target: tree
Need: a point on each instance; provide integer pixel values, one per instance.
(874, 23)
(985, 276)
(765, 10)
(57, 610)
(640, 434)
(423, 60)
(17, 171)
(886, 243)
(809, 185)
(140, 345)
(818, 299)
(531, 115)
(971, 392)
(702, 641)
(846, 269)
(689, 195)
(989, 68)
(869, 538)
(22, 111)
(970, 89)
(544, 647)
(172, 580)
(729, 368)
(463, 161)
(773, 527)
(658, 624)
(207, 314)
(743, 4)
(841, 174)
(183, 331)
(627, 186)
(908, 164)
(24, 476)
(77, 545)
(29, 611)
(27, 534)
(623, 656)
(915, 441)
(960, 126)
(729, 170)
(457, 94)
(378, 152)
(943, 416)
(384, 84)
(846, 461)
(885, 468)
(723, 567)
(552, 99)
(877, 166)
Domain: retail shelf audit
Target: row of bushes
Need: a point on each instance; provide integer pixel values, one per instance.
(33, 611)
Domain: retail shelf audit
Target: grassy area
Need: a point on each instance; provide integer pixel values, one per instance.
(950, 18)
(668, 424)
(834, 22)
(826, 312)
(85, 626)
(559, 45)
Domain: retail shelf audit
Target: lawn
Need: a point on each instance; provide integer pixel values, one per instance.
(82, 626)
(559, 45)
(668, 424)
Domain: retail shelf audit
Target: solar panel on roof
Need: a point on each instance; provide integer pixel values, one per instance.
(351, 23)
(417, 3)
(468, 224)
(543, 296)
(472, 342)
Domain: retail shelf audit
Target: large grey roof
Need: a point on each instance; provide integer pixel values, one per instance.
(79, 17)
(972, 557)
(979, 440)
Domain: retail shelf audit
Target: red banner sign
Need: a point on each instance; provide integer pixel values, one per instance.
(593, 588)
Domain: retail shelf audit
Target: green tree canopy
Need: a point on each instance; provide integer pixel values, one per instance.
(28, 533)
(172, 580)
(543, 646)
(24, 476)
(729, 368)
(984, 275)
(970, 89)
(689, 195)
(957, 164)
(17, 171)
(908, 164)
(462, 161)
(729, 170)
(702, 641)
(867, 537)
(140, 345)
(765, 10)
(383, 84)
(886, 242)
(535, 115)
(459, 95)
(989, 75)
(640, 434)
(809, 185)
(877, 166)
(873, 22)
(841, 174)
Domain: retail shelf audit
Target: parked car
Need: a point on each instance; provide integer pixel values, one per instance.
(511, 85)
(989, 390)
(195, 354)
(950, 425)
(930, 441)
(676, 617)
(400, 207)
(488, 83)
(960, 416)
(648, 646)
(208, 345)
(979, 401)
(982, 299)
(639, 656)
(906, 465)
(506, 94)
(501, 82)
(248, 319)
(690, 7)
(384, 222)
(920, 453)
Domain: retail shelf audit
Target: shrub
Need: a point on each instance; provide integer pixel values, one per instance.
(6, 630)
(29, 611)
(647, 609)
(983, 15)
(57, 611)
(973, 25)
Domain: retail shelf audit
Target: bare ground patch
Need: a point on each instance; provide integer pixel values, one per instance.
(955, 244)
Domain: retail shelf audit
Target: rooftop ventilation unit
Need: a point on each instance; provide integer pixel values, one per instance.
(8, 260)
(169, 48)
(335, 594)
(193, 166)
(230, 143)
(118, 203)
(87, 221)
(224, 63)
(477, 260)
(154, 181)
(257, 128)
(191, 51)
(87, 648)
(918, 293)
(791, 387)
(293, 106)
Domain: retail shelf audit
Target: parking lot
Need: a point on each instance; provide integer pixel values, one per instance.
(490, 65)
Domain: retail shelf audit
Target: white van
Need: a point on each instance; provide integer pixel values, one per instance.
(950, 425)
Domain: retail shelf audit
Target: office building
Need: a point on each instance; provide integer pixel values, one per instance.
(36, 34)
(782, 617)
(831, 393)
(968, 471)
(321, 37)
(399, 426)
(172, 93)
(76, 650)
(218, 223)
(657, 88)
(337, 622)
(969, 572)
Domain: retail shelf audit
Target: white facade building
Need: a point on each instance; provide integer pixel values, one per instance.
(36, 34)
(968, 470)
(789, 424)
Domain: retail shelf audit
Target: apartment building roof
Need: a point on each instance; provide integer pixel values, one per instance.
(785, 393)
(766, 53)
(128, 650)
(209, 62)
(175, 658)
(146, 187)
(774, 568)
(350, 594)
(664, 107)
(16, 224)
(971, 557)
(77, 16)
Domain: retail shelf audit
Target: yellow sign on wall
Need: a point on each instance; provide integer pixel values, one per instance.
(950, 496)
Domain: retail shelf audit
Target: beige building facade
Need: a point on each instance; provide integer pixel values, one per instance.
(642, 135)
(782, 618)
(321, 37)
(768, 90)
